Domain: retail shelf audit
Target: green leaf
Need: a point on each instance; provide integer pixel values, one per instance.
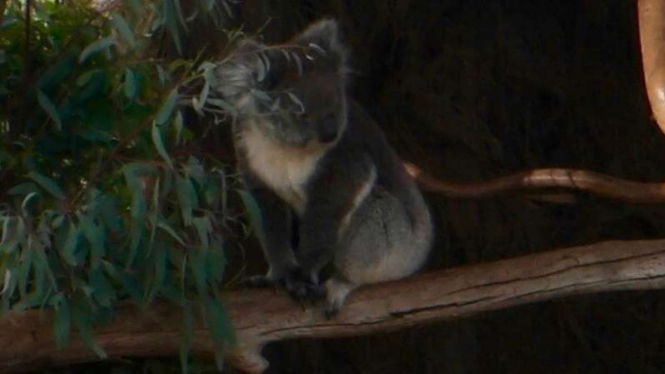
(203, 96)
(195, 170)
(94, 47)
(84, 78)
(49, 108)
(82, 321)
(212, 190)
(62, 320)
(57, 72)
(24, 270)
(128, 283)
(57, 221)
(163, 75)
(199, 269)
(130, 84)
(42, 266)
(102, 290)
(26, 201)
(23, 189)
(6, 280)
(47, 183)
(220, 329)
(96, 236)
(123, 28)
(187, 336)
(187, 198)
(203, 228)
(178, 124)
(138, 224)
(216, 261)
(159, 144)
(69, 250)
(135, 174)
(179, 13)
(254, 213)
(162, 224)
(154, 216)
(160, 260)
(167, 107)
(31, 300)
(135, 170)
(96, 135)
(170, 8)
(9, 247)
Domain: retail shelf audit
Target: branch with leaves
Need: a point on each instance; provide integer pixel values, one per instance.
(104, 200)
(264, 316)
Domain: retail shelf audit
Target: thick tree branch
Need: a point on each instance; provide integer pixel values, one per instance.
(263, 316)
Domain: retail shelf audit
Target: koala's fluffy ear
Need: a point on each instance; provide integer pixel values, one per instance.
(237, 75)
(325, 34)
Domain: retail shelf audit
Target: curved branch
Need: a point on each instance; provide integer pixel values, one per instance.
(263, 316)
(544, 179)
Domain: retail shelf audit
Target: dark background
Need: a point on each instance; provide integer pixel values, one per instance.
(471, 90)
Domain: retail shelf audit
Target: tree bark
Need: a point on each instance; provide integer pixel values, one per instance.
(263, 316)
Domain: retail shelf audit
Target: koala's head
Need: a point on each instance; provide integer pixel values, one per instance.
(294, 92)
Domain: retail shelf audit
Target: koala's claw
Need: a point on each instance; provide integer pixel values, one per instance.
(301, 286)
(303, 291)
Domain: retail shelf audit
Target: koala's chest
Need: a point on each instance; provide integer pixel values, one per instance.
(284, 170)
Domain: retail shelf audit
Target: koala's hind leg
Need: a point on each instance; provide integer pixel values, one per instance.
(386, 239)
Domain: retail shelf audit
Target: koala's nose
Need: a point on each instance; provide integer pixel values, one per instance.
(327, 134)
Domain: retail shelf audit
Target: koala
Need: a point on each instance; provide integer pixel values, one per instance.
(331, 190)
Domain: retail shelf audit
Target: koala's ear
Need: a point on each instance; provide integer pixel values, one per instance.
(325, 34)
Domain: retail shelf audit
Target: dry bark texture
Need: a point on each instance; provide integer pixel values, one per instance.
(263, 316)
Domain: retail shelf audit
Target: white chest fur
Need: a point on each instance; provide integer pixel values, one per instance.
(286, 170)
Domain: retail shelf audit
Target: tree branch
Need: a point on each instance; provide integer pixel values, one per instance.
(545, 179)
(263, 316)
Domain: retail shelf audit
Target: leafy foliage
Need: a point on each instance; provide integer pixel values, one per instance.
(104, 199)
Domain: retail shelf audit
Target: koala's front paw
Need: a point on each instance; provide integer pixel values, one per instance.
(275, 277)
(302, 286)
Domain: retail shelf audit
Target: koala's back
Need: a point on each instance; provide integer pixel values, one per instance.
(388, 231)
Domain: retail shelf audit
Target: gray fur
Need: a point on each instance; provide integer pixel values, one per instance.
(311, 156)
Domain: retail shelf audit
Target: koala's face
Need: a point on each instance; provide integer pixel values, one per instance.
(294, 93)
(308, 111)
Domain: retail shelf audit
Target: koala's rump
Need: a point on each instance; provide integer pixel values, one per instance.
(381, 243)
